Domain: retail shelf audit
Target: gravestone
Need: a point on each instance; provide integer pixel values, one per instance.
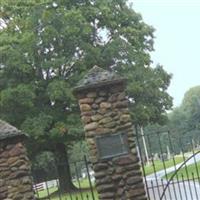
(15, 177)
(110, 136)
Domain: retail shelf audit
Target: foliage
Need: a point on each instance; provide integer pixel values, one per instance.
(43, 160)
(185, 119)
(191, 106)
(47, 46)
(44, 167)
(183, 124)
(76, 157)
(149, 97)
(78, 151)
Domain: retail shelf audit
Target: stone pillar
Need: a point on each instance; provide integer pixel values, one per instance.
(15, 177)
(109, 133)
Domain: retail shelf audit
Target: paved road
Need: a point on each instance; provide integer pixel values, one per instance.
(187, 190)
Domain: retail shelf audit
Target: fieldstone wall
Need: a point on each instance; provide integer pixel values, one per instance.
(104, 110)
(15, 177)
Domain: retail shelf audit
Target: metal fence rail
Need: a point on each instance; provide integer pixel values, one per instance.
(174, 167)
(46, 185)
(171, 172)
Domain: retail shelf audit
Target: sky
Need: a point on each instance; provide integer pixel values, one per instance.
(177, 42)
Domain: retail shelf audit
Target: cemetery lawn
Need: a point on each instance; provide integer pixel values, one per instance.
(44, 193)
(86, 194)
(192, 170)
(84, 183)
(78, 196)
(149, 169)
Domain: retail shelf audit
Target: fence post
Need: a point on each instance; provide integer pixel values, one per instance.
(109, 134)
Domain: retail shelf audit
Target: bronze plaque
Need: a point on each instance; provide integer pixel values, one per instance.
(112, 145)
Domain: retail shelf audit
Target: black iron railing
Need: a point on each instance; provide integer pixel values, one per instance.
(175, 174)
(171, 171)
(46, 186)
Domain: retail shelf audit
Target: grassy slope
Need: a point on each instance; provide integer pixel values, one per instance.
(193, 172)
(149, 169)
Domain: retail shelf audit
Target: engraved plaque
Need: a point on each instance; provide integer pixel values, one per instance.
(112, 145)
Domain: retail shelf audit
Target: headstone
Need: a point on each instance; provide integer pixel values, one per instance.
(110, 136)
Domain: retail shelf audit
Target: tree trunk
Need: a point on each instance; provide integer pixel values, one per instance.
(64, 175)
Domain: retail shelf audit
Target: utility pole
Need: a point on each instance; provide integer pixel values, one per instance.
(144, 144)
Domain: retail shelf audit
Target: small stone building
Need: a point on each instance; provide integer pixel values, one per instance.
(15, 177)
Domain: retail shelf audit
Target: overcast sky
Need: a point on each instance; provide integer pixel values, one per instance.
(177, 43)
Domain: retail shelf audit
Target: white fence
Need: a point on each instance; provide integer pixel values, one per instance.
(45, 185)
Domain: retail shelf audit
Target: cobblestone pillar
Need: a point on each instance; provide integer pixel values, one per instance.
(109, 133)
(15, 177)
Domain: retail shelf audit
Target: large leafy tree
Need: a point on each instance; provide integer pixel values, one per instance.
(47, 46)
(191, 106)
(184, 121)
(186, 117)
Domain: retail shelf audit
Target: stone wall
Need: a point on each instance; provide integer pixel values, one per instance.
(15, 179)
(104, 110)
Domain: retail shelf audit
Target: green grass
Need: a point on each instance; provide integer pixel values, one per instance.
(149, 169)
(182, 173)
(44, 193)
(84, 183)
(77, 196)
(85, 194)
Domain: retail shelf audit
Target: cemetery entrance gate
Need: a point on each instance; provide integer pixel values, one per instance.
(171, 166)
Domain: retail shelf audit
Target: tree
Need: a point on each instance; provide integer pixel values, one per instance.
(186, 117)
(191, 106)
(184, 121)
(150, 100)
(47, 46)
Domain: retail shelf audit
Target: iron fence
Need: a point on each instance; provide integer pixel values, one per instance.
(47, 184)
(171, 168)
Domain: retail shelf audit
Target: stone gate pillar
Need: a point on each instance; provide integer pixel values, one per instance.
(109, 133)
(15, 177)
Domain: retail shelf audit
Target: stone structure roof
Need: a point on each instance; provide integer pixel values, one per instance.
(9, 131)
(97, 77)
